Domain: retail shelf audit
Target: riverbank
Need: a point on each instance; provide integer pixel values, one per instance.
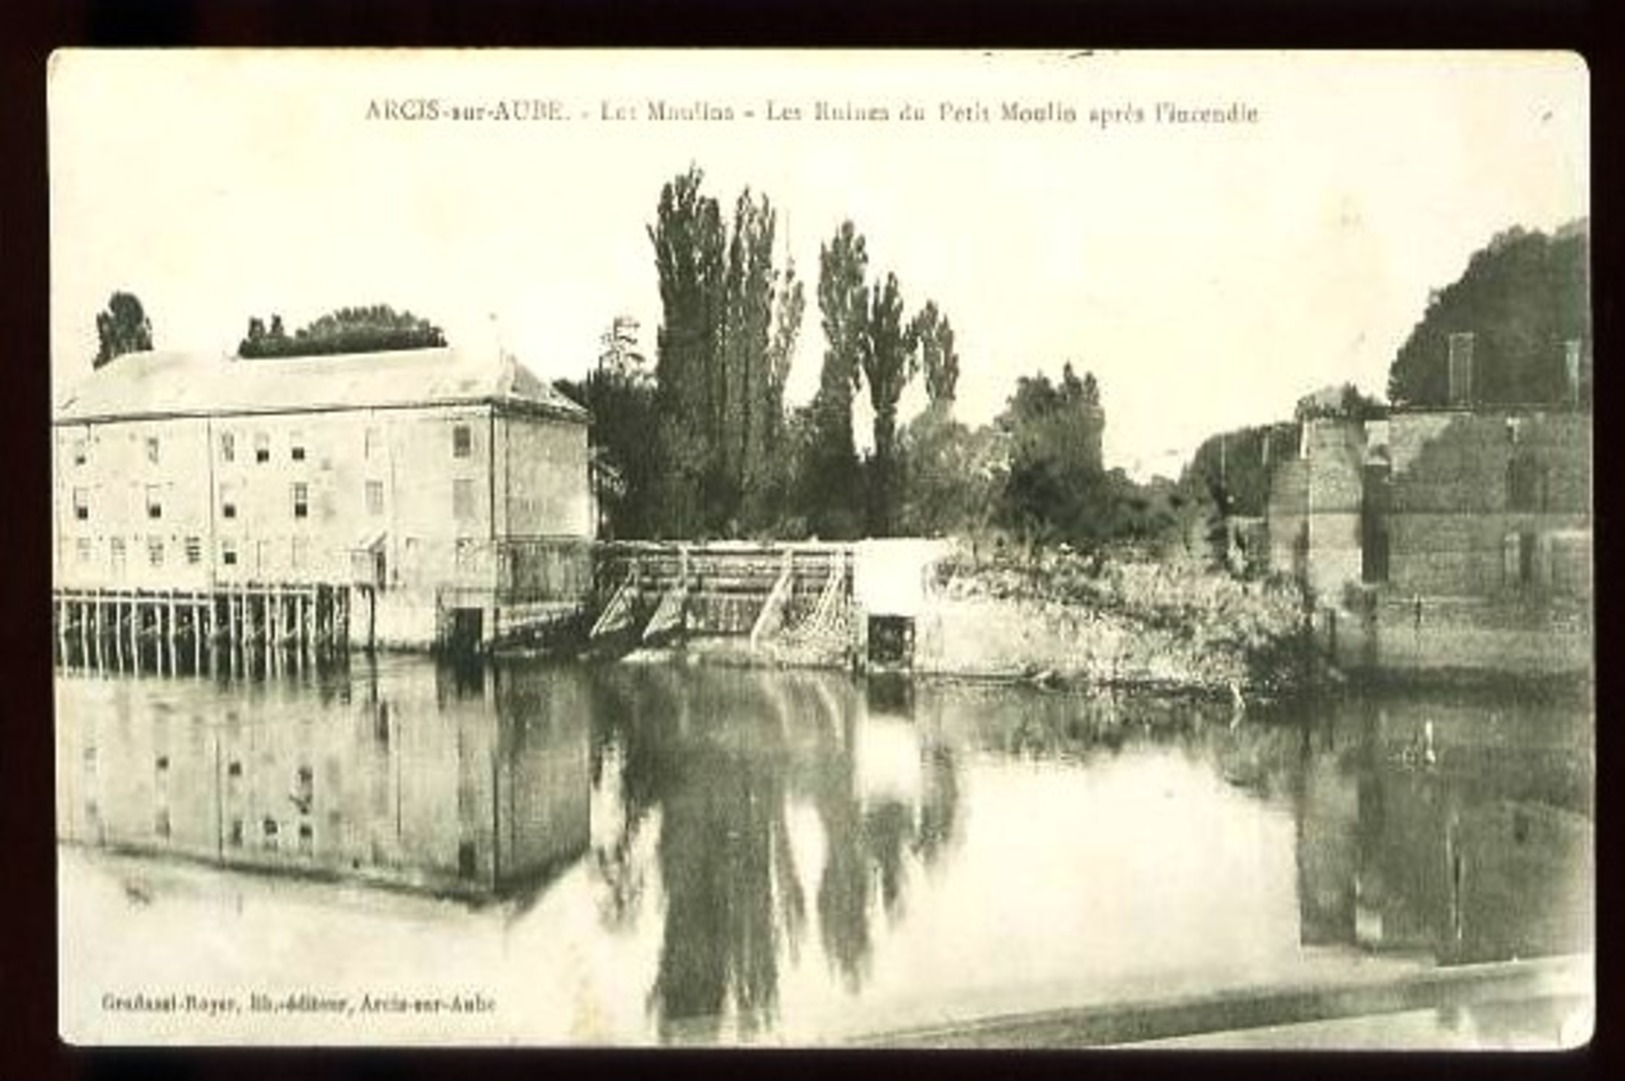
(1119, 622)
(1062, 619)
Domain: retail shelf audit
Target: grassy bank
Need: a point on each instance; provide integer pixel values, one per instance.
(1119, 621)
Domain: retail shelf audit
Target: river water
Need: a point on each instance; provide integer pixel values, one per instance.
(399, 851)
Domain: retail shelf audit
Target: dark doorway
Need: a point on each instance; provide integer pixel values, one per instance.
(1526, 558)
(466, 631)
(891, 641)
(1374, 505)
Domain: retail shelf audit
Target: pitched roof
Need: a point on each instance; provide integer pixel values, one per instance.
(167, 383)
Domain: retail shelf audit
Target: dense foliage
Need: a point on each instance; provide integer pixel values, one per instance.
(619, 394)
(344, 331)
(729, 324)
(1523, 297)
(121, 328)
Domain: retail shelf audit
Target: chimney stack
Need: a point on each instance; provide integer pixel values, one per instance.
(1571, 366)
(1461, 369)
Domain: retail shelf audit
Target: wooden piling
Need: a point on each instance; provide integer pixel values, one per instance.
(271, 602)
(173, 661)
(84, 635)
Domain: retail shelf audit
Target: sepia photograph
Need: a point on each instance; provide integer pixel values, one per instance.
(845, 549)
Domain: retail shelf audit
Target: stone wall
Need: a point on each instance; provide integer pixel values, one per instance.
(1314, 508)
(1457, 523)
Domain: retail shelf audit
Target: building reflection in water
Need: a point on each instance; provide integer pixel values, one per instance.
(1458, 830)
(463, 783)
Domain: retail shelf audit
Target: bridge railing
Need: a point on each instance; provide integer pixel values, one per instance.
(720, 568)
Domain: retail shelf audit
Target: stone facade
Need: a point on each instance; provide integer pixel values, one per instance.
(424, 479)
(1444, 538)
(1315, 507)
(1490, 503)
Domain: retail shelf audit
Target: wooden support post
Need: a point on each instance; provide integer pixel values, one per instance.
(232, 633)
(136, 618)
(173, 645)
(210, 621)
(84, 635)
(197, 638)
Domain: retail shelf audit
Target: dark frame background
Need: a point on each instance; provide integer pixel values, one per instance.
(29, 32)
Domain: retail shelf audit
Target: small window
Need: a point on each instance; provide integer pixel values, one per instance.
(296, 447)
(462, 442)
(463, 554)
(81, 503)
(375, 497)
(301, 500)
(228, 503)
(115, 553)
(155, 503)
(194, 549)
(462, 498)
(228, 552)
(228, 447)
(80, 452)
(299, 553)
(152, 450)
(81, 550)
(373, 442)
(155, 551)
(262, 448)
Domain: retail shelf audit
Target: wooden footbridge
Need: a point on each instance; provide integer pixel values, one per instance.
(795, 596)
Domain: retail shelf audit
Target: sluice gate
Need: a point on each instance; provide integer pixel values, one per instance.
(805, 602)
(718, 589)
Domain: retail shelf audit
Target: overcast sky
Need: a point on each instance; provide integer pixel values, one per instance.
(1207, 273)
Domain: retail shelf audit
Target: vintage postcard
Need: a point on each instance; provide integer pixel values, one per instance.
(894, 549)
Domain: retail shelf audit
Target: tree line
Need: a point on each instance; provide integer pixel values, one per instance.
(701, 443)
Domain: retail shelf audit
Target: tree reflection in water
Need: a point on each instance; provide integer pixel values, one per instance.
(718, 758)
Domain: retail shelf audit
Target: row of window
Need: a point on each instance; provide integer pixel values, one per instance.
(191, 551)
(81, 451)
(462, 446)
(262, 447)
(462, 500)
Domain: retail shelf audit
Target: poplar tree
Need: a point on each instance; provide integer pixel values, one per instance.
(888, 360)
(830, 488)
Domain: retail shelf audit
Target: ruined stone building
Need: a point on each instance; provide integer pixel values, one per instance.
(1464, 516)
